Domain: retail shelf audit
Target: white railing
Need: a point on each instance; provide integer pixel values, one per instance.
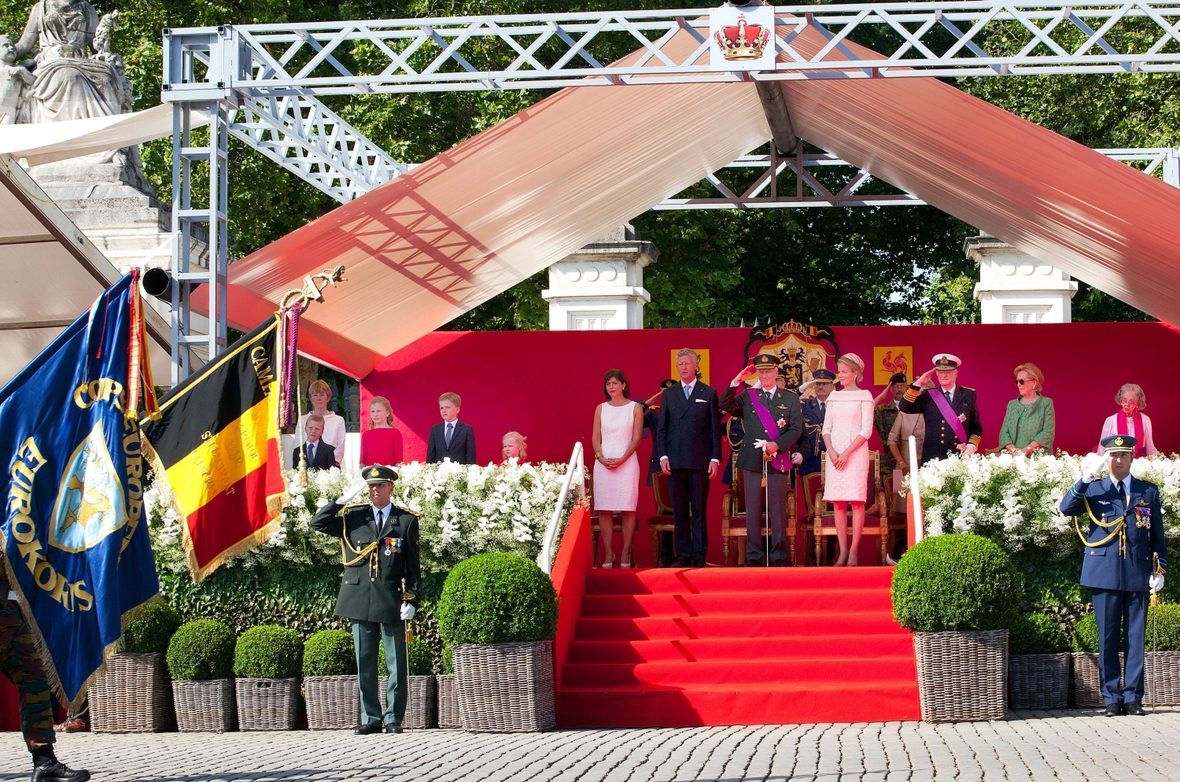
(919, 526)
(575, 467)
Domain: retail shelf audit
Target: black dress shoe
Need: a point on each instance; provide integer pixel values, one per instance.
(368, 729)
(682, 563)
(698, 563)
(778, 563)
(754, 563)
(1133, 708)
(1114, 709)
(393, 727)
(53, 770)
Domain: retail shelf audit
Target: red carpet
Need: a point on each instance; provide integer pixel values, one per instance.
(730, 646)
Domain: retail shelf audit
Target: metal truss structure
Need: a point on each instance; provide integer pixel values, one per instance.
(261, 84)
(820, 179)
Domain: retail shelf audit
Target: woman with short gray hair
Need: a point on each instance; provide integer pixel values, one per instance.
(1131, 420)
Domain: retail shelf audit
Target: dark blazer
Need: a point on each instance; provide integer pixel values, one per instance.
(462, 448)
(689, 430)
(1104, 567)
(325, 456)
(784, 406)
(365, 595)
(941, 440)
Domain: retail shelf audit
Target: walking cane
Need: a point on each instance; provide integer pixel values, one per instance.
(766, 507)
(1155, 602)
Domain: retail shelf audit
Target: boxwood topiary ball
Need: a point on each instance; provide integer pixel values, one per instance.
(497, 598)
(149, 627)
(418, 653)
(956, 582)
(1085, 634)
(329, 653)
(1037, 633)
(1166, 634)
(268, 652)
(200, 651)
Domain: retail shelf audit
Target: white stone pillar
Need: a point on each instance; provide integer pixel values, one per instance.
(600, 287)
(1017, 288)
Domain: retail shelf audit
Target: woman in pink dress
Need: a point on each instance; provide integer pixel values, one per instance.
(618, 425)
(1131, 421)
(379, 439)
(847, 426)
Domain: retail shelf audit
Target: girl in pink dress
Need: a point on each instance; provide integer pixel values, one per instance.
(847, 426)
(618, 425)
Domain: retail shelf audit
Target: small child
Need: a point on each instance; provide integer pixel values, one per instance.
(14, 82)
(452, 439)
(320, 455)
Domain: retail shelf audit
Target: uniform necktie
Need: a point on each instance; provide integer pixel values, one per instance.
(767, 396)
(380, 520)
(450, 431)
(823, 406)
(1122, 494)
(947, 394)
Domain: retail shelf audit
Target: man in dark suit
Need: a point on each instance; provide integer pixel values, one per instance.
(452, 439)
(770, 416)
(1125, 560)
(949, 410)
(688, 442)
(379, 590)
(320, 455)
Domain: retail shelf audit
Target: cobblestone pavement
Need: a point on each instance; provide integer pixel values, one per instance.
(1065, 745)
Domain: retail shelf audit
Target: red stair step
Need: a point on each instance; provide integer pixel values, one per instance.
(733, 626)
(771, 673)
(717, 579)
(868, 646)
(700, 604)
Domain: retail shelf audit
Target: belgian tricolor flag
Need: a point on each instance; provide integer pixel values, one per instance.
(217, 444)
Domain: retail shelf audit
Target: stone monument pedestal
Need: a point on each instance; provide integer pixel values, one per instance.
(600, 286)
(1018, 288)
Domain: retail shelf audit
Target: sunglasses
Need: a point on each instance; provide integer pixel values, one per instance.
(1020, 382)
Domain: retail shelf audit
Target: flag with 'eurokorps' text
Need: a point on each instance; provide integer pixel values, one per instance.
(74, 534)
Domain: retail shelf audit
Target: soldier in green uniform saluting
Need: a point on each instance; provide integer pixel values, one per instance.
(379, 590)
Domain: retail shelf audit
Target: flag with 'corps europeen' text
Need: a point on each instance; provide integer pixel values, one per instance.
(74, 536)
(216, 443)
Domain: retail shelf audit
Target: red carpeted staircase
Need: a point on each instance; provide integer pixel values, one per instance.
(728, 646)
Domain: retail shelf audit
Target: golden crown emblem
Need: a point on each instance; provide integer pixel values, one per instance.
(1118, 441)
(373, 473)
(742, 41)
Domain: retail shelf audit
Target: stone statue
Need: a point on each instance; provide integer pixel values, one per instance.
(75, 74)
(15, 81)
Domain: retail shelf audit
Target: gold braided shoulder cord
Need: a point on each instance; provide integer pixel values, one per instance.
(1119, 526)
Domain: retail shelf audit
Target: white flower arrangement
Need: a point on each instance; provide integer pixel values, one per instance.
(1014, 499)
(462, 510)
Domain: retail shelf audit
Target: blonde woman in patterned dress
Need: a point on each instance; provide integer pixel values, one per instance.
(618, 426)
(847, 427)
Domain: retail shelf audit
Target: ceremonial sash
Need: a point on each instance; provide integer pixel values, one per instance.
(780, 461)
(948, 414)
(1141, 448)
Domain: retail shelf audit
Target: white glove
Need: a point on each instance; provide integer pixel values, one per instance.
(760, 445)
(351, 494)
(1157, 583)
(1092, 465)
(408, 612)
(796, 458)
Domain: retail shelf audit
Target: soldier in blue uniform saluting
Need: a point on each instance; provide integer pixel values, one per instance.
(1125, 559)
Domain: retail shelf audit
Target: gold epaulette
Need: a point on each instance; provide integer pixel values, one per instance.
(967, 388)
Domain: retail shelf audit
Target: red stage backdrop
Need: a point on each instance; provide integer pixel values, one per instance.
(545, 384)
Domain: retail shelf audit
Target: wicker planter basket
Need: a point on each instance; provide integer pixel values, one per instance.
(448, 703)
(133, 695)
(421, 706)
(333, 702)
(268, 704)
(1087, 680)
(205, 706)
(1161, 685)
(962, 676)
(505, 688)
(1038, 681)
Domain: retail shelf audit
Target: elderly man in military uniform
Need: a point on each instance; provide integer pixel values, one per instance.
(949, 410)
(772, 421)
(379, 590)
(1125, 560)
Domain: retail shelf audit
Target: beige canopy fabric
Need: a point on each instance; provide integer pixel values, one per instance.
(52, 274)
(506, 204)
(50, 142)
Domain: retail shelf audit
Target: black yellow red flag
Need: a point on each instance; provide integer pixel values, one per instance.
(217, 445)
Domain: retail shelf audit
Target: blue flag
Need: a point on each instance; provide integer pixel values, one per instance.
(74, 535)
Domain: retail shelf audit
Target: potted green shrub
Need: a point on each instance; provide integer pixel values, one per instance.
(267, 662)
(329, 681)
(1087, 678)
(498, 613)
(958, 594)
(422, 710)
(1038, 663)
(200, 662)
(1161, 686)
(448, 696)
(133, 693)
